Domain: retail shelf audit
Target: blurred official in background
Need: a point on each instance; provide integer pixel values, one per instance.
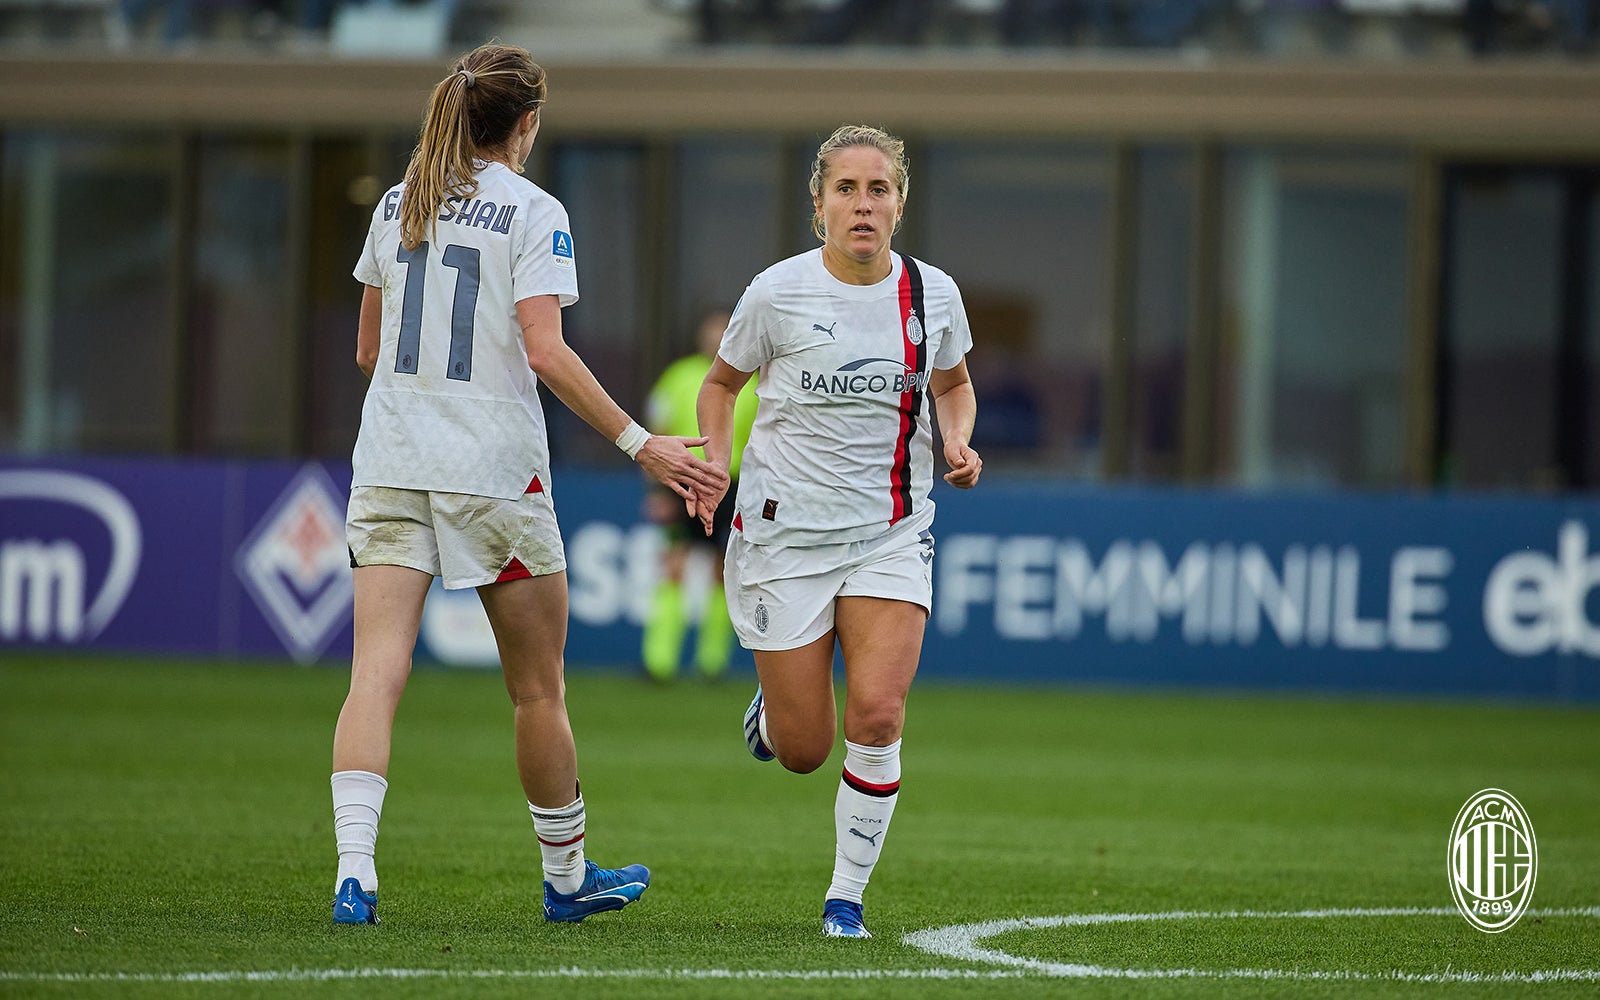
(671, 410)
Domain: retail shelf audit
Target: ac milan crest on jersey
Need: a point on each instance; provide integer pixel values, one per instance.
(914, 328)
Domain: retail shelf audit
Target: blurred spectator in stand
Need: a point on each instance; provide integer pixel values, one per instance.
(670, 408)
(177, 26)
(1030, 22)
(1477, 21)
(712, 17)
(184, 21)
(1575, 23)
(1166, 23)
(1493, 26)
(902, 21)
(1104, 23)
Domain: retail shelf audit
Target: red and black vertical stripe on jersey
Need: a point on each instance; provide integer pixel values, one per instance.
(916, 359)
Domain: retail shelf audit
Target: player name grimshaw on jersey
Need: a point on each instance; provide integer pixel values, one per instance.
(479, 213)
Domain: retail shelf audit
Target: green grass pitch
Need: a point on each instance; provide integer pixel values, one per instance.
(165, 830)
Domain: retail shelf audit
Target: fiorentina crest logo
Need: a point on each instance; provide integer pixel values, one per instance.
(296, 565)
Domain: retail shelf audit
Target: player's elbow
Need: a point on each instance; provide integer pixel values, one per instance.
(367, 360)
(543, 357)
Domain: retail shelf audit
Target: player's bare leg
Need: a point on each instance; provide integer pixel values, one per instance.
(388, 612)
(799, 715)
(881, 641)
(529, 618)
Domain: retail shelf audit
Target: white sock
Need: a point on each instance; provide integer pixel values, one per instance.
(560, 833)
(761, 728)
(861, 811)
(357, 805)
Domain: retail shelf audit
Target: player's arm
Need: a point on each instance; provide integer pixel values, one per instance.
(718, 394)
(957, 409)
(369, 330)
(667, 459)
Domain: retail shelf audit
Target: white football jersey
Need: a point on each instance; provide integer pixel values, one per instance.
(453, 405)
(842, 446)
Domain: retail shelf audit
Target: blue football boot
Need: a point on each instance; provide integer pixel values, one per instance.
(842, 918)
(602, 889)
(352, 906)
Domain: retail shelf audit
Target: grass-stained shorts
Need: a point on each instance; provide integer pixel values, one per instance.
(465, 539)
(781, 596)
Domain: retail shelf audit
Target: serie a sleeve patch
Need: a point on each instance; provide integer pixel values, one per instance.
(561, 249)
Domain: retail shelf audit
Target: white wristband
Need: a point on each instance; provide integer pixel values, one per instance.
(632, 438)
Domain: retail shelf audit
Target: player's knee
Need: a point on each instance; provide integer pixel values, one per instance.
(804, 756)
(875, 726)
(377, 680)
(529, 693)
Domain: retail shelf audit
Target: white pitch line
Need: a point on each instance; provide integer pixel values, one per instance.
(960, 942)
(322, 975)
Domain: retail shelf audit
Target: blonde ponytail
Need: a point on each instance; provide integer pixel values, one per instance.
(472, 112)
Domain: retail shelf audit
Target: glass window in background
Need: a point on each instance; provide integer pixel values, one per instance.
(89, 292)
(1161, 312)
(794, 194)
(725, 231)
(247, 346)
(1023, 228)
(603, 188)
(1501, 329)
(1591, 338)
(348, 177)
(1313, 326)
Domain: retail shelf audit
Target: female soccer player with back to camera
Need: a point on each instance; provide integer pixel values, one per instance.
(467, 266)
(831, 543)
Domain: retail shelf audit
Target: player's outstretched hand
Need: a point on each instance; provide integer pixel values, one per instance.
(965, 465)
(704, 508)
(669, 460)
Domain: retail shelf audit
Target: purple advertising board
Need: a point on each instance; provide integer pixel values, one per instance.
(214, 558)
(1034, 580)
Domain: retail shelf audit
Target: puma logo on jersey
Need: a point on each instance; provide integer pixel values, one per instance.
(825, 329)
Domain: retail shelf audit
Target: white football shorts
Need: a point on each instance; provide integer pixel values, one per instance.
(465, 539)
(782, 596)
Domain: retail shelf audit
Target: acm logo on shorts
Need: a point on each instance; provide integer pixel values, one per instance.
(1494, 860)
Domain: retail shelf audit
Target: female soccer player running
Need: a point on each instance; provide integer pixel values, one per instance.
(467, 266)
(831, 542)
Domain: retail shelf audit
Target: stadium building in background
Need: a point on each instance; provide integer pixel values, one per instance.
(1251, 260)
(1342, 249)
